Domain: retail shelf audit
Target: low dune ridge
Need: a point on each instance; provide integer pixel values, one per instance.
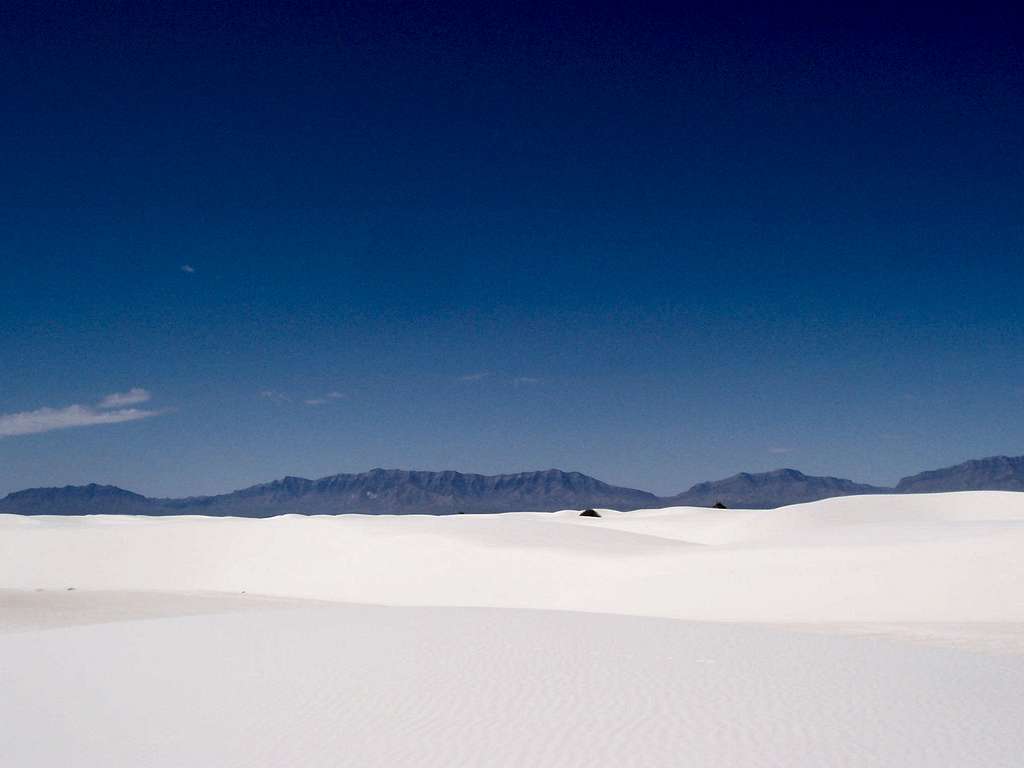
(940, 558)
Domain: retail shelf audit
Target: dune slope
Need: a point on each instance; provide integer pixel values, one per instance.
(367, 686)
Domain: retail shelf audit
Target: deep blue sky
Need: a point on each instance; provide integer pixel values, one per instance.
(657, 246)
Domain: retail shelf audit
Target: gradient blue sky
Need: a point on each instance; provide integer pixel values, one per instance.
(654, 246)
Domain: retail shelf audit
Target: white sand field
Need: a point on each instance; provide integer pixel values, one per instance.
(862, 631)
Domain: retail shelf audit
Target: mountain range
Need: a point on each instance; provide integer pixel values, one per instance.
(394, 491)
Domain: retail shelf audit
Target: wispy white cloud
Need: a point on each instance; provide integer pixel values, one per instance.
(275, 396)
(49, 419)
(326, 398)
(525, 380)
(475, 376)
(133, 396)
(779, 449)
(188, 268)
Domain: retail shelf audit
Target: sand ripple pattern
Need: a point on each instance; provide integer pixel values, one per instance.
(374, 686)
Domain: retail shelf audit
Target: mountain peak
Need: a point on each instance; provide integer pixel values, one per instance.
(92, 490)
(795, 474)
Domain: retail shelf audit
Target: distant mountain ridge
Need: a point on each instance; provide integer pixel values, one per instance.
(995, 473)
(379, 491)
(77, 500)
(765, 490)
(395, 491)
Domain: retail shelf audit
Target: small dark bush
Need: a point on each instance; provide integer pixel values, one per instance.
(590, 513)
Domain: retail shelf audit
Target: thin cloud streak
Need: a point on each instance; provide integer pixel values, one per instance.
(133, 396)
(475, 376)
(49, 419)
(326, 398)
(275, 396)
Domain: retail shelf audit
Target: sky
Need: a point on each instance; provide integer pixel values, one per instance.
(654, 244)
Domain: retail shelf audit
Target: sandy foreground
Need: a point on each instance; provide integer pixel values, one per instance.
(867, 631)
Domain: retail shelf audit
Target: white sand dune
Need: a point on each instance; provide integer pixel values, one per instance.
(366, 686)
(892, 635)
(939, 558)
